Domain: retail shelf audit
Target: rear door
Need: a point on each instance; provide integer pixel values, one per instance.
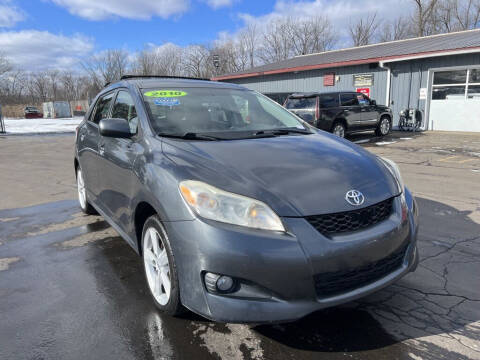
(117, 177)
(351, 110)
(89, 136)
(369, 112)
(329, 107)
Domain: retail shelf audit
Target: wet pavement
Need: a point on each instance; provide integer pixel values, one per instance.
(71, 288)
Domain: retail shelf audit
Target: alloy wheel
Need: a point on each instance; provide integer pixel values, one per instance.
(157, 266)
(339, 130)
(385, 126)
(82, 196)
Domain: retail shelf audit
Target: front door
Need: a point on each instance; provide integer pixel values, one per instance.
(89, 137)
(369, 112)
(117, 174)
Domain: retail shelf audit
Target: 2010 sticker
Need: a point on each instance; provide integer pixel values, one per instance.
(165, 93)
(166, 102)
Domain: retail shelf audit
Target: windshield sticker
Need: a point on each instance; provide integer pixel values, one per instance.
(165, 93)
(166, 102)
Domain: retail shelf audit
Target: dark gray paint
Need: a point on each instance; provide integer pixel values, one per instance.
(295, 175)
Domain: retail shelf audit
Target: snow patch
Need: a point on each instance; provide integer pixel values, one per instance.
(41, 126)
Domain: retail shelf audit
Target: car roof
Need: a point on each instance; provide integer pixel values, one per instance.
(161, 82)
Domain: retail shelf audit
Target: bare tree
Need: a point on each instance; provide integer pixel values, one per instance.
(363, 31)
(197, 61)
(5, 65)
(277, 41)
(248, 42)
(397, 29)
(106, 67)
(424, 19)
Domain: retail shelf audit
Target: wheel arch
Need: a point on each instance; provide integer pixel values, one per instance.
(339, 120)
(143, 211)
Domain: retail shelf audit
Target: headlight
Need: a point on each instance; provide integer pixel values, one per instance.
(395, 170)
(215, 204)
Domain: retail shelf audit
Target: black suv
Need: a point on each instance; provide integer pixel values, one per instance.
(341, 112)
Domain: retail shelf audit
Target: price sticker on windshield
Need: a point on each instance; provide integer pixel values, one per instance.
(165, 93)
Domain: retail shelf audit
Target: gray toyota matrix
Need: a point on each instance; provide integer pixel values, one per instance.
(241, 211)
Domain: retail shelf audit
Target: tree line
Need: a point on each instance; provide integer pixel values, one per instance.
(279, 39)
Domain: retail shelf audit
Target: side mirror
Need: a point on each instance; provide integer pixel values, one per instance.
(373, 102)
(116, 128)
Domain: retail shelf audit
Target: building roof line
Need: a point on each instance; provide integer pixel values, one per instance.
(382, 59)
(387, 43)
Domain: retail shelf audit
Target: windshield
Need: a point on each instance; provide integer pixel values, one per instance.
(175, 111)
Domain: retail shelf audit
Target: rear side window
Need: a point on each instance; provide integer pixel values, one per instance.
(328, 101)
(102, 108)
(348, 99)
(301, 103)
(124, 108)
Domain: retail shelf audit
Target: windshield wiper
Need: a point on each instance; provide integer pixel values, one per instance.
(190, 136)
(283, 131)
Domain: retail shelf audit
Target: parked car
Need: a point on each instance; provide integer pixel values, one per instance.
(32, 112)
(341, 112)
(241, 211)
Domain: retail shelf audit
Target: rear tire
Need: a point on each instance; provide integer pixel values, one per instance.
(339, 129)
(82, 194)
(159, 268)
(384, 126)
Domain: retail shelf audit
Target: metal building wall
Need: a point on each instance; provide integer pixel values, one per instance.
(409, 76)
(406, 80)
(312, 80)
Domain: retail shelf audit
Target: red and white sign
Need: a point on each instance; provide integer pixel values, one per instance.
(329, 79)
(365, 91)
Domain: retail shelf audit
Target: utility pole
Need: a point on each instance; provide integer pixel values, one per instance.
(216, 62)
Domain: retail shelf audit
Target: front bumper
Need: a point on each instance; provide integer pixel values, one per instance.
(278, 269)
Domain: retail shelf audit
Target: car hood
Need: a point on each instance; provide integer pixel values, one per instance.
(294, 175)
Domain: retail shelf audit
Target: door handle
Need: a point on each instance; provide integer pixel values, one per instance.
(82, 136)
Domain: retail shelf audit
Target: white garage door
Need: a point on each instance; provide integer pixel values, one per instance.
(455, 104)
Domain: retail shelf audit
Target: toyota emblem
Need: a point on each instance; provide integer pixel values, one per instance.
(355, 197)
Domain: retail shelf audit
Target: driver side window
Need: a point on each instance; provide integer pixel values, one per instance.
(124, 108)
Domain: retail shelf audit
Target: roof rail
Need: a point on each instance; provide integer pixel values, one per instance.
(126, 77)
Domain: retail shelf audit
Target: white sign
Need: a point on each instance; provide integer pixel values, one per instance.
(423, 93)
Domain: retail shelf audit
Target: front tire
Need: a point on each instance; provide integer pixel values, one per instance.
(159, 267)
(82, 194)
(384, 126)
(339, 129)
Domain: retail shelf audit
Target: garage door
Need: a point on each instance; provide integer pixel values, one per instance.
(455, 100)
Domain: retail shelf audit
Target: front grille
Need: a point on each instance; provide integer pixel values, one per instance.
(333, 283)
(348, 221)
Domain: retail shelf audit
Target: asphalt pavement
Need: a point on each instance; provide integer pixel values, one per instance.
(71, 288)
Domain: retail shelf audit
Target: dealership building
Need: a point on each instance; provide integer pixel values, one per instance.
(438, 75)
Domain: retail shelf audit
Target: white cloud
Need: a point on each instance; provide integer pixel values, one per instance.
(340, 13)
(131, 9)
(10, 14)
(217, 4)
(39, 50)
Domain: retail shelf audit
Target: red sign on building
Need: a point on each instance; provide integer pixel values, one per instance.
(365, 91)
(329, 79)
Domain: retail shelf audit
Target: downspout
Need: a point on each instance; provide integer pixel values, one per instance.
(382, 65)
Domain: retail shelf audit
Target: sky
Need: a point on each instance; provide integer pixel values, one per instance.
(42, 34)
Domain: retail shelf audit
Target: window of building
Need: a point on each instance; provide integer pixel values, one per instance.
(456, 84)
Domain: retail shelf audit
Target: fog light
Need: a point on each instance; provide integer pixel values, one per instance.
(224, 283)
(216, 283)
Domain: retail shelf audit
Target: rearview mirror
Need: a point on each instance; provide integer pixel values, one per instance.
(117, 128)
